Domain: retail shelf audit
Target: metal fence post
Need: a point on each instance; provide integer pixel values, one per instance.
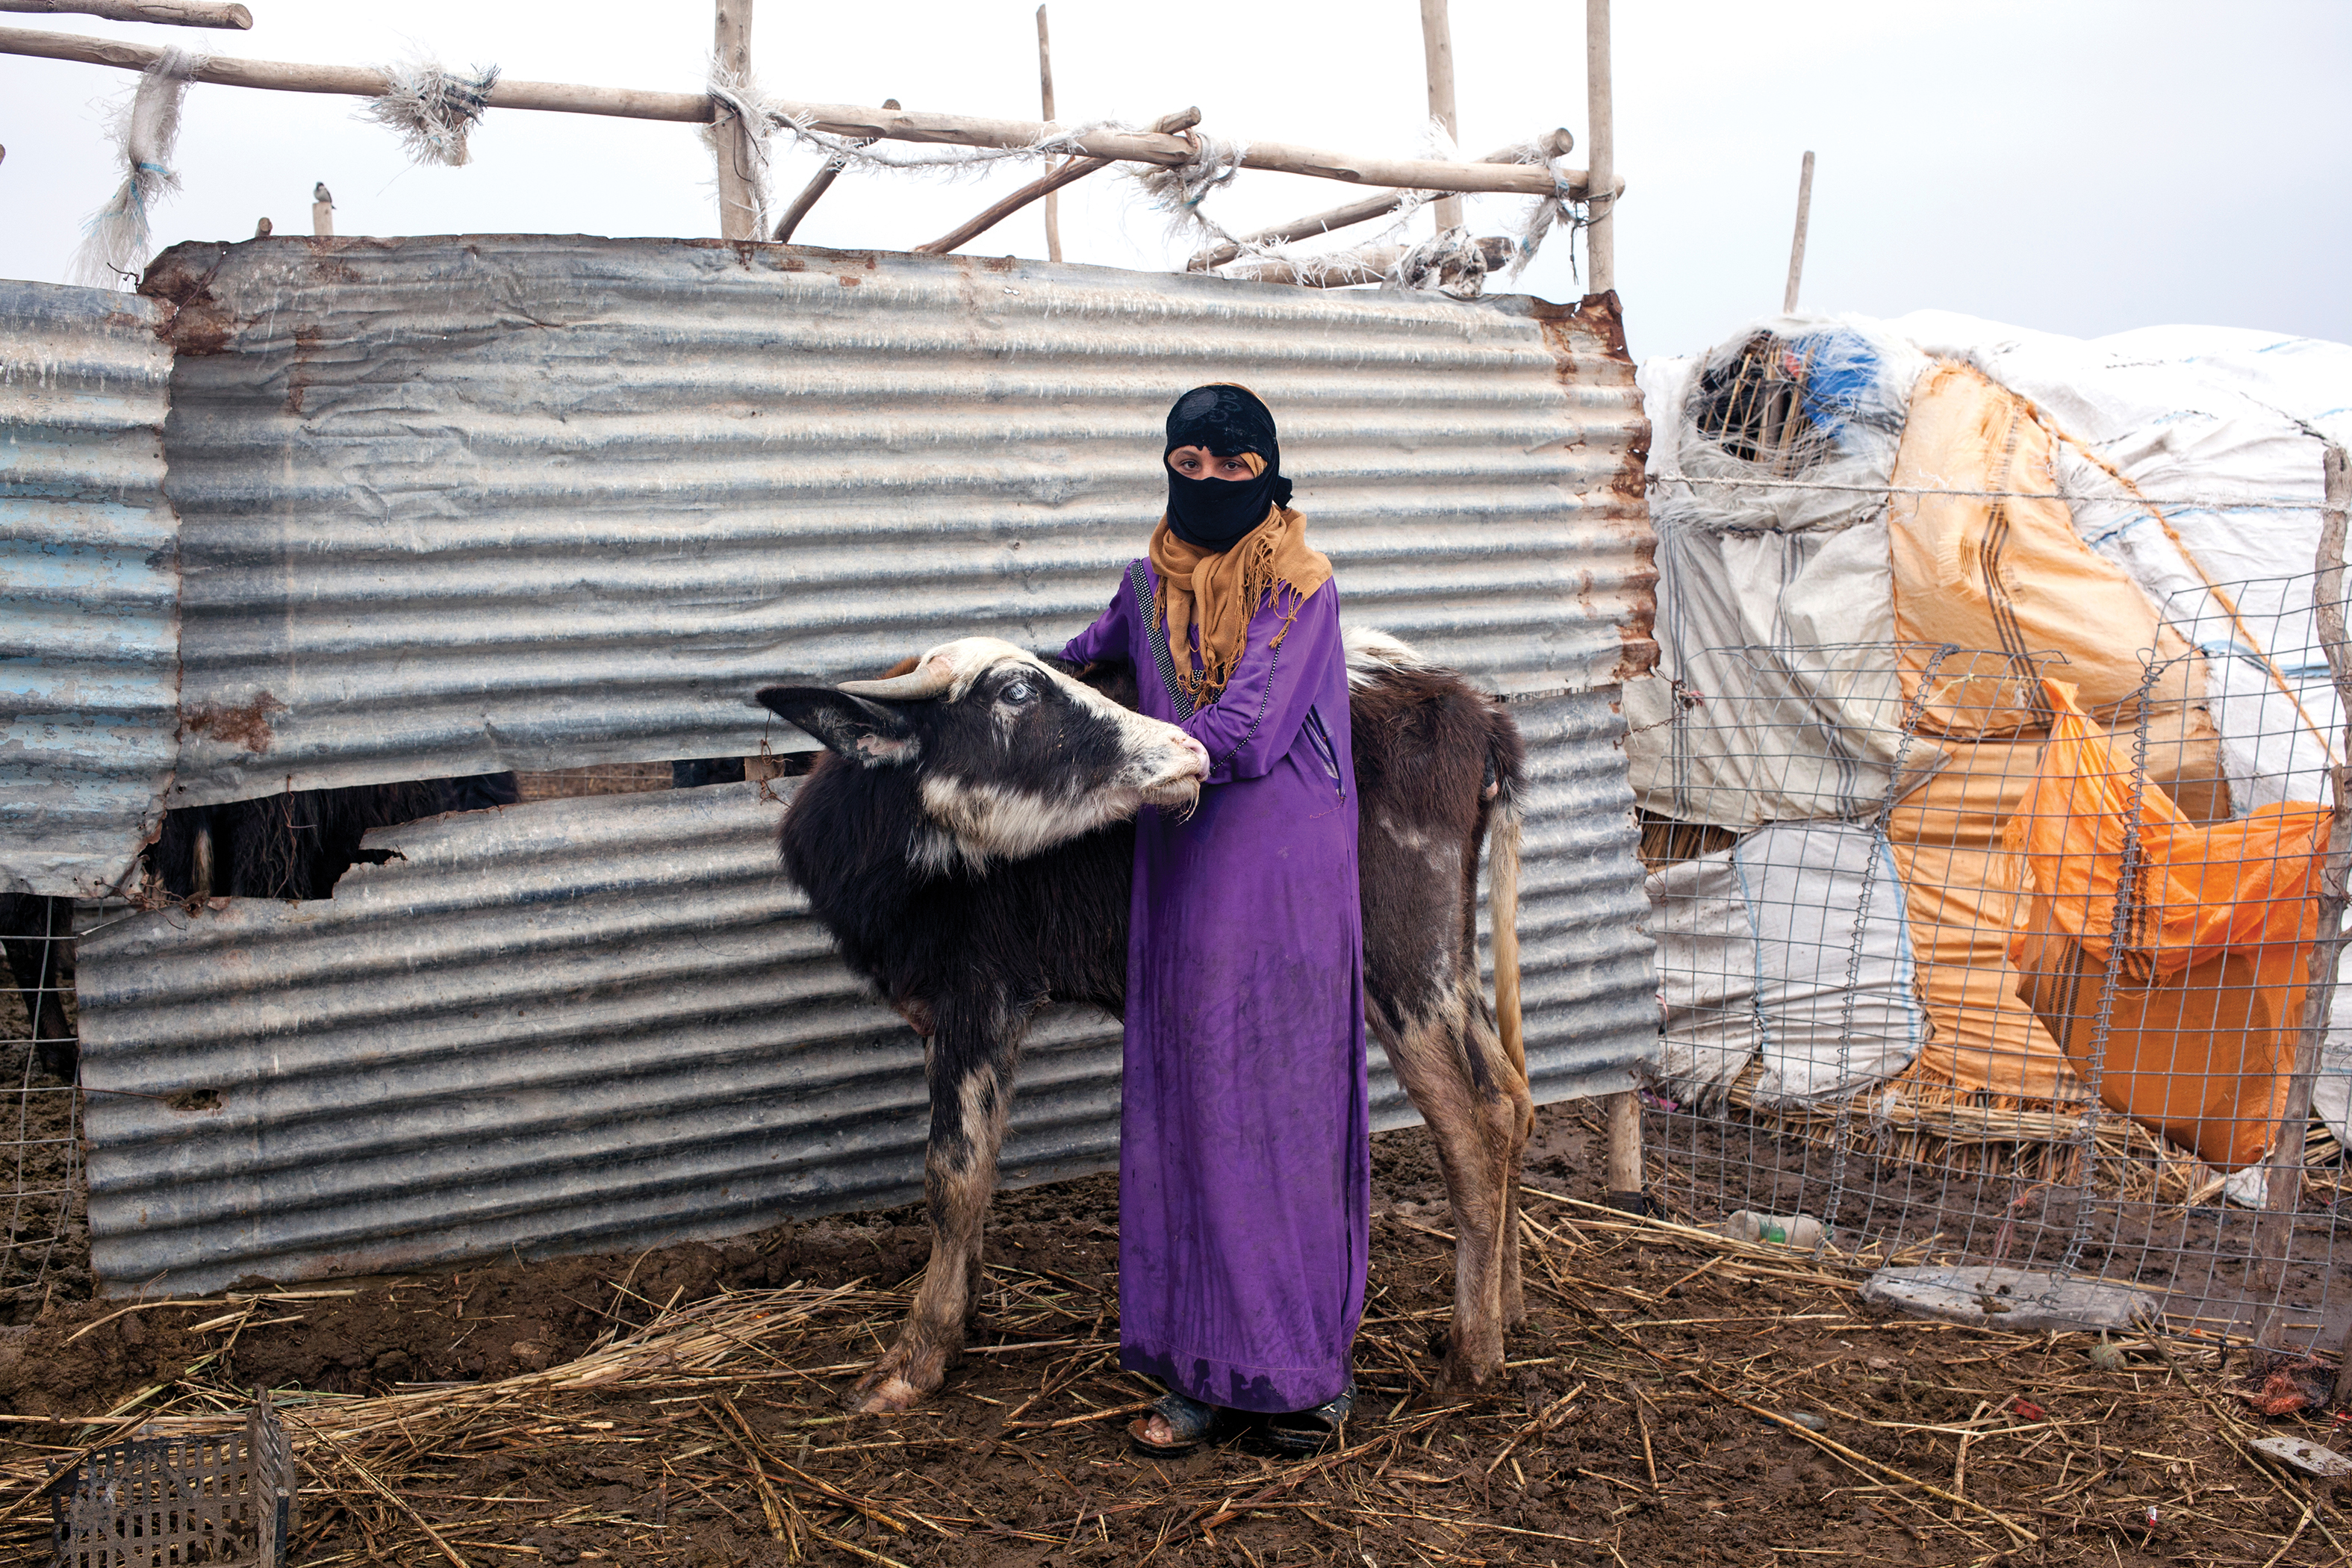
(2274, 1236)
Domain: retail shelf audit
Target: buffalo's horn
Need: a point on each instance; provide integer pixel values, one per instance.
(928, 679)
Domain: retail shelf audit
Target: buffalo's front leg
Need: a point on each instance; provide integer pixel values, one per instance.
(969, 1061)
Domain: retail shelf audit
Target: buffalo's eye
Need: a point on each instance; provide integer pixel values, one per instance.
(1017, 691)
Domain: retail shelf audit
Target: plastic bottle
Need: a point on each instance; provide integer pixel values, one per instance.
(1797, 1230)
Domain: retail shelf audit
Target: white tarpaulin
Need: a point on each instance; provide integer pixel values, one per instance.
(1706, 975)
(1775, 698)
(1793, 944)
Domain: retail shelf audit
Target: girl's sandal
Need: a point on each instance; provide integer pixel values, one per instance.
(1190, 1423)
(1310, 1431)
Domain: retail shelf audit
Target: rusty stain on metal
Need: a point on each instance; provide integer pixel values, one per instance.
(1583, 336)
(243, 724)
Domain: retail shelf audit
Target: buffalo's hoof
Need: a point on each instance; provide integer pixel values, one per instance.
(901, 1380)
(884, 1396)
(1460, 1375)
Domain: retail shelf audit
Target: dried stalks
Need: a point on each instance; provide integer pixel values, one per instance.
(1652, 1349)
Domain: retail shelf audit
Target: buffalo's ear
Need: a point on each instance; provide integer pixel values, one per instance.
(871, 733)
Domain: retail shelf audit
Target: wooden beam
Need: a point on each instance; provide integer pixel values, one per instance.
(1071, 170)
(1368, 266)
(1797, 246)
(818, 185)
(173, 13)
(1045, 97)
(1623, 1176)
(1437, 54)
(1600, 151)
(838, 118)
(738, 185)
(1555, 145)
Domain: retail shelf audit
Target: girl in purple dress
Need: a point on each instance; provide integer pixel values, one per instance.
(1245, 1157)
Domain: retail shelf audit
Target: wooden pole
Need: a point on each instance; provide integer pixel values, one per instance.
(1070, 169)
(1624, 1179)
(2275, 1235)
(738, 185)
(173, 13)
(1437, 52)
(1625, 1153)
(1600, 151)
(820, 182)
(1557, 143)
(837, 119)
(1797, 246)
(1046, 95)
(322, 210)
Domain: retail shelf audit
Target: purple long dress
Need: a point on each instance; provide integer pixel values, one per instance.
(1244, 1160)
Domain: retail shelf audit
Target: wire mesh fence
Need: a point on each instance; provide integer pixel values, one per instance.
(1970, 971)
(47, 1245)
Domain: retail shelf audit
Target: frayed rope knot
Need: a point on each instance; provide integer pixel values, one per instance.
(433, 109)
(114, 241)
(744, 104)
(1449, 263)
(1179, 188)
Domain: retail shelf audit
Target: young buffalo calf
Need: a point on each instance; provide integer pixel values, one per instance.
(971, 845)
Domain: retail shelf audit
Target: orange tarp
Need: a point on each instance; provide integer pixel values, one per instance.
(2207, 988)
(1990, 560)
(1960, 891)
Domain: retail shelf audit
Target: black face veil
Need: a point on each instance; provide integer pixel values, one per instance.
(1213, 514)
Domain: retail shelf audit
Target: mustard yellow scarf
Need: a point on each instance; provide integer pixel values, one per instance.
(1220, 594)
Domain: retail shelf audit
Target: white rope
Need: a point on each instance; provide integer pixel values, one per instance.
(740, 94)
(1536, 225)
(114, 247)
(846, 154)
(433, 110)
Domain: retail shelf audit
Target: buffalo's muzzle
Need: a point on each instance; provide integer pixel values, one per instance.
(1182, 766)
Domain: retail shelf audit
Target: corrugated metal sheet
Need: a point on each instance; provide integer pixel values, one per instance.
(609, 1023)
(458, 504)
(88, 584)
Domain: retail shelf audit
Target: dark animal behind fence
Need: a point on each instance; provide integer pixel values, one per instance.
(891, 839)
(296, 845)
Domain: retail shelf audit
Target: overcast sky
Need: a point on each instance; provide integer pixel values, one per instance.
(2076, 166)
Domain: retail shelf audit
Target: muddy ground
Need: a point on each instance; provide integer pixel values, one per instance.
(1667, 1402)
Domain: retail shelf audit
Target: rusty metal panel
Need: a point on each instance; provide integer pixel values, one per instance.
(608, 1023)
(467, 503)
(89, 585)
